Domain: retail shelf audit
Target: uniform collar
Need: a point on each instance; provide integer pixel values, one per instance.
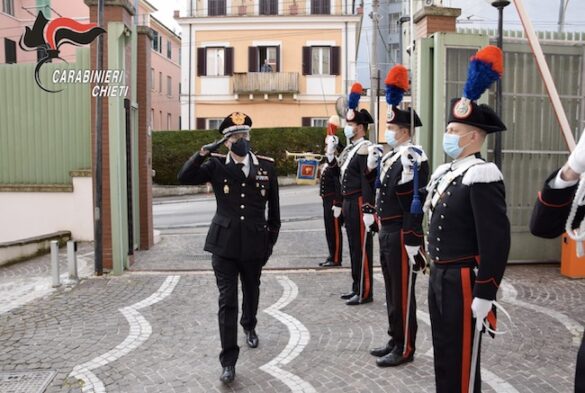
(357, 141)
(457, 163)
(246, 160)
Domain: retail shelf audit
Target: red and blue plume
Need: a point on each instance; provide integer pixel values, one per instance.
(354, 95)
(486, 67)
(396, 84)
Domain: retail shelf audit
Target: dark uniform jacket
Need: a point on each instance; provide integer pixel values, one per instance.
(239, 229)
(354, 181)
(330, 185)
(393, 200)
(552, 209)
(469, 223)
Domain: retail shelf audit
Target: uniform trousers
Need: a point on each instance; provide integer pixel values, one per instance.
(226, 275)
(396, 268)
(355, 228)
(332, 232)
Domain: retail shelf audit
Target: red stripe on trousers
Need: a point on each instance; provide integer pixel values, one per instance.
(467, 326)
(405, 294)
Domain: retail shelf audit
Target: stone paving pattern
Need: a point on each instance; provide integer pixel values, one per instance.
(67, 328)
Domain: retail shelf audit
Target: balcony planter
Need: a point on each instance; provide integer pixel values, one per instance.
(293, 9)
(242, 9)
(360, 9)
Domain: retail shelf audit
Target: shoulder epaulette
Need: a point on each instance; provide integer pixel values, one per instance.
(218, 155)
(363, 150)
(483, 173)
(270, 159)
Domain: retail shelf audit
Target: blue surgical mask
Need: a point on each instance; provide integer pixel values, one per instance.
(348, 131)
(390, 137)
(451, 145)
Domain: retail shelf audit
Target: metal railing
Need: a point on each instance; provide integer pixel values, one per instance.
(266, 82)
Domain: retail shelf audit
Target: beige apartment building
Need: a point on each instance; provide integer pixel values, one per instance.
(282, 62)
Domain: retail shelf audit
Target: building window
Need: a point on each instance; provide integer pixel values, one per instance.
(180, 123)
(152, 78)
(169, 50)
(319, 122)
(9, 51)
(212, 124)
(320, 7)
(179, 95)
(268, 7)
(321, 60)
(264, 59)
(155, 40)
(393, 20)
(168, 121)
(160, 82)
(8, 7)
(215, 61)
(216, 7)
(169, 86)
(151, 118)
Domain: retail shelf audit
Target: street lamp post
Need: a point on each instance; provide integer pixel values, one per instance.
(500, 5)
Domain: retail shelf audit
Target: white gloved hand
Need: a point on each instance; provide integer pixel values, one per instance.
(374, 155)
(480, 308)
(369, 221)
(407, 159)
(336, 211)
(331, 142)
(412, 251)
(577, 158)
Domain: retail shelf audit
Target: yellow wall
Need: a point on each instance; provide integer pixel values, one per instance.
(291, 57)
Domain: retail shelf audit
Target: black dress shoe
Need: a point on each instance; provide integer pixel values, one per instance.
(394, 358)
(348, 295)
(251, 338)
(330, 264)
(383, 351)
(228, 374)
(354, 301)
(326, 261)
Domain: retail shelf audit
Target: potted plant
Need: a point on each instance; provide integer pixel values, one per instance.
(242, 8)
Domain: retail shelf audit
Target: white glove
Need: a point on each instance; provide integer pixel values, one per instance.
(331, 142)
(374, 155)
(577, 158)
(481, 308)
(412, 251)
(407, 159)
(368, 221)
(336, 211)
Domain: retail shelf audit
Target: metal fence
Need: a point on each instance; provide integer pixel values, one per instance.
(43, 136)
(532, 146)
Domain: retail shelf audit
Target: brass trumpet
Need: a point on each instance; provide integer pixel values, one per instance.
(304, 156)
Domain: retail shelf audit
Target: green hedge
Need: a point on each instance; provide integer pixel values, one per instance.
(170, 149)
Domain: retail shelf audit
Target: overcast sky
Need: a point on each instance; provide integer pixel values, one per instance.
(166, 10)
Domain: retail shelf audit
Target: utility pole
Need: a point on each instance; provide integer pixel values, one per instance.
(562, 13)
(374, 69)
(97, 198)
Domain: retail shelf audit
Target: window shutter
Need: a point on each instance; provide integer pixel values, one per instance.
(229, 62)
(201, 62)
(335, 60)
(306, 60)
(278, 58)
(9, 51)
(306, 122)
(200, 123)
(253, 59)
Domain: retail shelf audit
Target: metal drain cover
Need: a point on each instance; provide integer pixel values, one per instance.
(33, 381)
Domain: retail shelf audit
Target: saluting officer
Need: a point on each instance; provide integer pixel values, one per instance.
(240, 237)
(551, 212)
(401, 234)
(330, 192)
(469, 231)
(358, 200)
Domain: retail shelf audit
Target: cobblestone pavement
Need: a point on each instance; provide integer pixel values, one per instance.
(158, 332)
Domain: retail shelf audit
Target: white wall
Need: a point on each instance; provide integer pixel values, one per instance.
(28, 214)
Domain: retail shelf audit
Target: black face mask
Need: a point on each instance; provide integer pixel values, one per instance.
(241, 147)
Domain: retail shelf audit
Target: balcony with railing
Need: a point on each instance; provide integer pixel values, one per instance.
(266, 83)
(218, 8)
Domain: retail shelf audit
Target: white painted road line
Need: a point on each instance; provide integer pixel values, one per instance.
(140, 331)
(299, 338)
